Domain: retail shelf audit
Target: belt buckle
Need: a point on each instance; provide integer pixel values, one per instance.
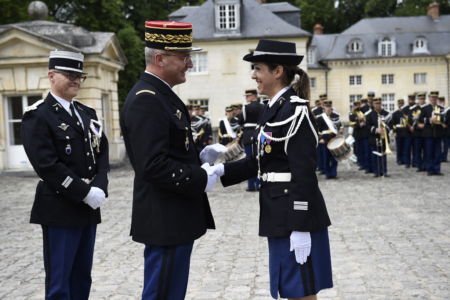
(264, 177)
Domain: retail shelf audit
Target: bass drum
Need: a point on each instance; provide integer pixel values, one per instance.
(235, 152)
(339, 148)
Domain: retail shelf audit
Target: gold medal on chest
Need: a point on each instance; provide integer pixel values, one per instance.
(268, 148)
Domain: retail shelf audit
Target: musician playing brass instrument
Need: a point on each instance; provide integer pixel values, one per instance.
(356, 118)
(430, 120)
(401, 123)
(377, 121)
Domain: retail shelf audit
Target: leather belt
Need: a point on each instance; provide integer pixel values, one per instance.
(250, 125)
(276, 177)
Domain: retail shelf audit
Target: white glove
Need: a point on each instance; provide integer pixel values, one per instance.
(210, 153)
(212, 177)
(95, 197)
(301, 243)
(219, 169)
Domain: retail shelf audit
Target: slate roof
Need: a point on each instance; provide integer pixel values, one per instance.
(69, 36)
(403, 30)
(257, 21)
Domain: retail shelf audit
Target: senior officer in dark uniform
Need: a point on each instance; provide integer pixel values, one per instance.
(293, 214)
(170, 206)
(248, 119)
(69, 152)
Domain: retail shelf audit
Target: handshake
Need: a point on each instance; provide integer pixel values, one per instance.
(208, 156)
(95, 198)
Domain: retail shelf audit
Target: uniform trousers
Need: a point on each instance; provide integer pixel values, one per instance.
(366, 155)
(252, 183)
(445, 145)
(433, 155)
(321, 158)
(357, 152)
(400, 145)
(166, 271)
(418, 156)
(330, 164)
(379, 163)
(68, 255)
(406, 151)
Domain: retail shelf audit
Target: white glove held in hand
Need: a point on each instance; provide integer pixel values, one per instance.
(301, 244)
(210, 153)
(212, 177)
(219, 169)
(95, 197)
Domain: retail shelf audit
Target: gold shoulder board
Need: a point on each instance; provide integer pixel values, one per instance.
(145, 91)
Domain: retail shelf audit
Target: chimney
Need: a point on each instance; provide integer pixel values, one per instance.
(318, 29)
(261, 1)
(433, 10)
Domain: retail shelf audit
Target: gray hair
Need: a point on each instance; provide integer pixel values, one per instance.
(150, 54)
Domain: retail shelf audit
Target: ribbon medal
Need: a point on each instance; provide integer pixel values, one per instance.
(267, 147)
(68, 149)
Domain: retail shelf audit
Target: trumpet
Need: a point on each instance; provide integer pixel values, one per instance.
(437, 114)
(382, 126)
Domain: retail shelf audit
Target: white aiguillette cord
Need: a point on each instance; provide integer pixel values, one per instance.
(300, 110)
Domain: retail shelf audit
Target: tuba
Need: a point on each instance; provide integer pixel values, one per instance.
(380, 140)
(437, 114)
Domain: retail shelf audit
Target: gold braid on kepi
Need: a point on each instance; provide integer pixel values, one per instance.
(169, 35)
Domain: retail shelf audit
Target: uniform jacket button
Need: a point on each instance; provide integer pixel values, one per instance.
(90, 168)
(285, 191)
(173, 174)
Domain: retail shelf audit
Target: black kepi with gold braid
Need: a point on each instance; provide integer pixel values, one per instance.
(169, 36)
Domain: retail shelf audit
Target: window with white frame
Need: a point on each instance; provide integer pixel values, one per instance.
(386, 47)
(420, 78)
(353, 98)
(355, 79)
(388, 101)
(420, 46)
(227, 16)
(313, 82)
(387, 78)
(15, 107)
(355, 46)
(199, 62)
(311, 55)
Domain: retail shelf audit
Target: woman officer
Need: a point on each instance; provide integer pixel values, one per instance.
(293, 214)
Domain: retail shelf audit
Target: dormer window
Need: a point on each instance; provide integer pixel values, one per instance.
(420, 46)
(311, 55)
(386, 47)
(227, 15)
(355, 46)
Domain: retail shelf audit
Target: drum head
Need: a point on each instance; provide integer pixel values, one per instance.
(336, 142)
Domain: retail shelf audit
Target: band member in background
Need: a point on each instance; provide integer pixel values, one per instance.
(431, 121)
(400, 125)
(408, 141)
(328, 124)
(293, 214)
(446, 137)
(370, 97)
(317, 106)
(199, 126)
(248, 119)
(170, 205)
(237, 109)
(418, 140)
(207, 137)
(228, 127)
(377, 121)
(366, 153)
(355, 118)
(320, 151)
(68, 150)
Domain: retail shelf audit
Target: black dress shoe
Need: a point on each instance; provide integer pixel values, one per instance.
(247, 190)
(386, 175)
(431, 174)
(439, 174)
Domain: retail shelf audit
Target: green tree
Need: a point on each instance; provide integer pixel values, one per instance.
(419, 7)
(13, 11)
(380, 8)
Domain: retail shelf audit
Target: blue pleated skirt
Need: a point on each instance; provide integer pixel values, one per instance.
(289, 279)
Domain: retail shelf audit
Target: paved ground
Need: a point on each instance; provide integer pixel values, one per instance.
(390, 239)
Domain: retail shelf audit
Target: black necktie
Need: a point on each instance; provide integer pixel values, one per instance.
(74, 116)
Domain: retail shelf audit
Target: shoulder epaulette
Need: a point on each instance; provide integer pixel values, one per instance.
(367, 112)
(82, 104)
(412, 107)
(424, 105)
(34, 105)
(145, 91)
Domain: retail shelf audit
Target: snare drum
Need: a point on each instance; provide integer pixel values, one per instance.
(339, 148)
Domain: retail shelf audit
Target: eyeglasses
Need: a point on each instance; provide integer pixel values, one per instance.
(72, 76)
(186, 58)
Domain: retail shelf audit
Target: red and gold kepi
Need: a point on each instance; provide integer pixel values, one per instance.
(169, 35)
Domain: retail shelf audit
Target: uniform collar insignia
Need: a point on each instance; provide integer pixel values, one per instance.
(57, 106)
(63, 126)
(178, 114)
